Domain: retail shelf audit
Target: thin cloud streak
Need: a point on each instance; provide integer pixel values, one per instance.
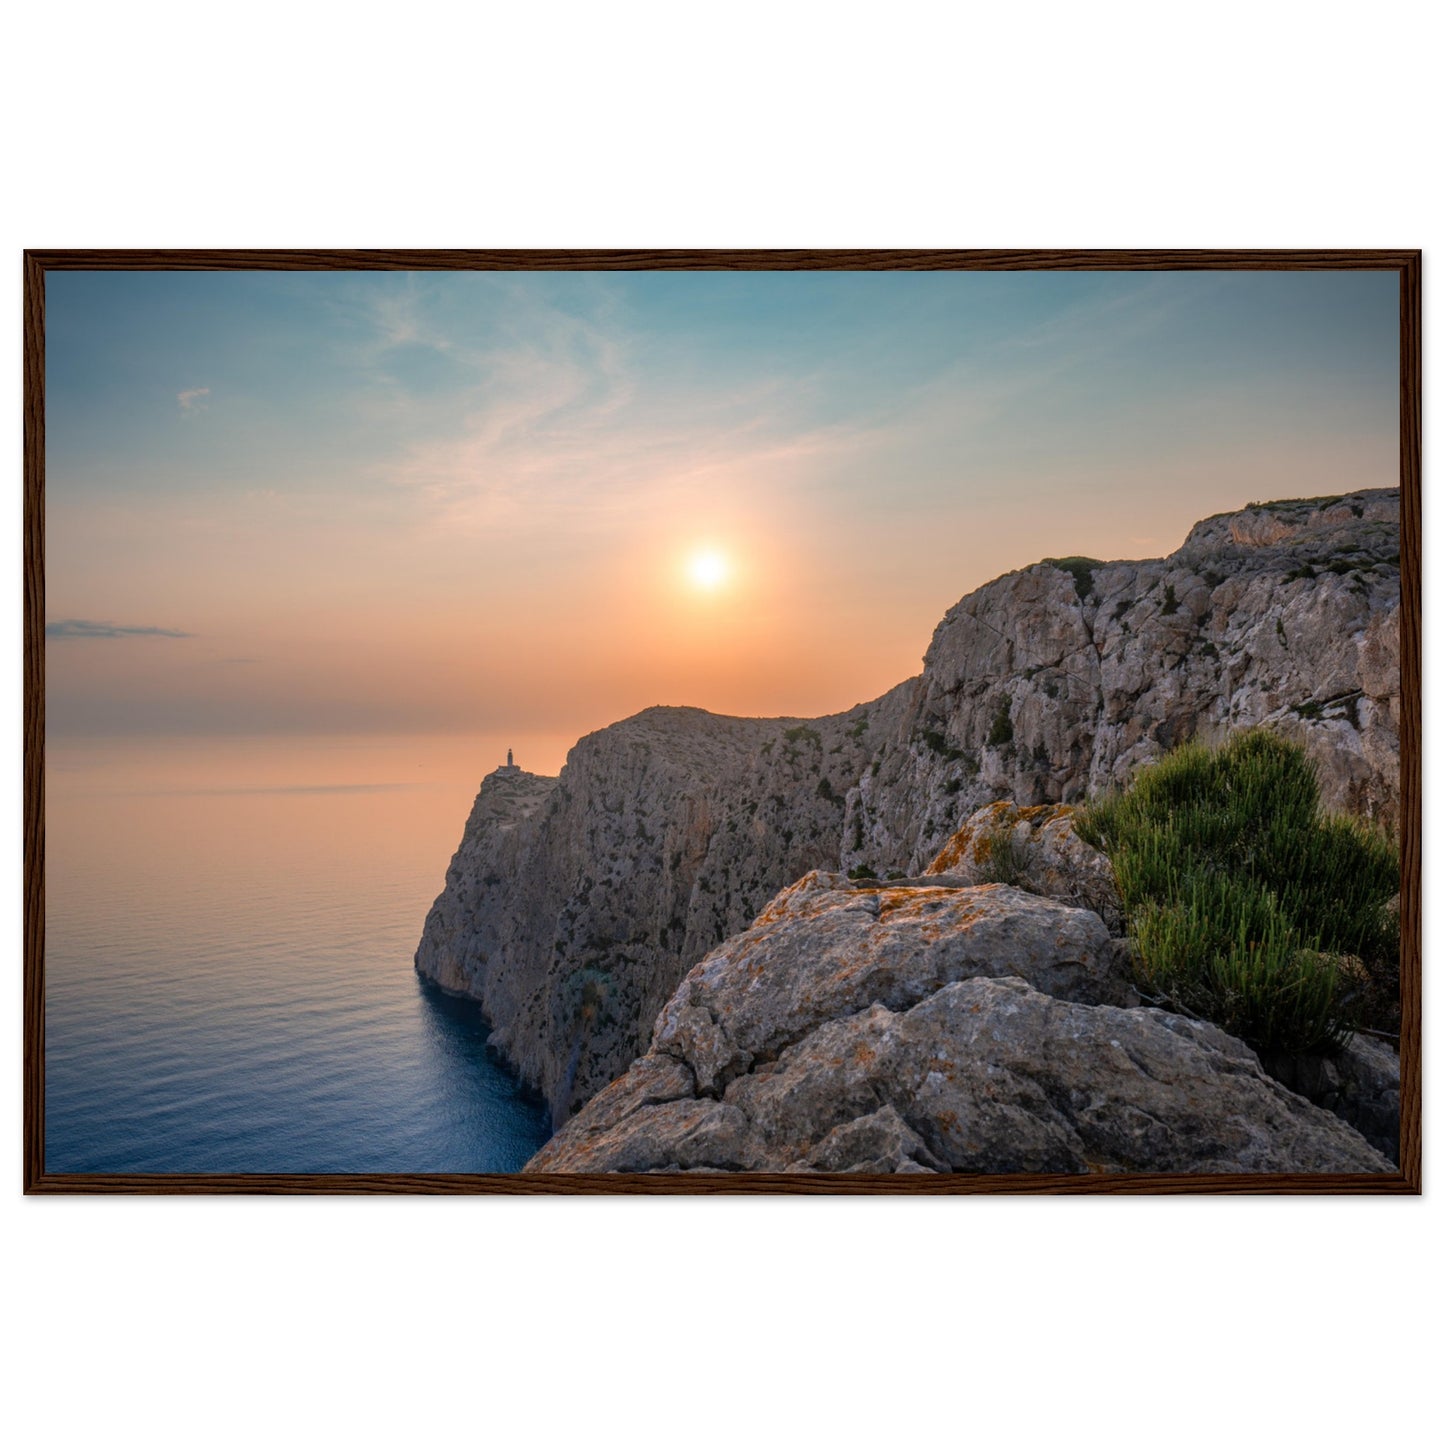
(78, 628)
(506, 469)
(193, 399)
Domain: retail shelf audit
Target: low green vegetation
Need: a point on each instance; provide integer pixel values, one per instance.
(936, 741)
(1002, 731)
(1003, 858)
(1081, 569)
(1248, 905)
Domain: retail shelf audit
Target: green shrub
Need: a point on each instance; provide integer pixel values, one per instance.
(940, 745)
(1002, 731)
(1247, 904)
(1081, 569)
(1003, 858)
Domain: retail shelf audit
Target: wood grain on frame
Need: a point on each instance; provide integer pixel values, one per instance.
(720, 260)
(1406, 263)
(34, 756)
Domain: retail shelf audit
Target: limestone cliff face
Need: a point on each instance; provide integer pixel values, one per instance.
(575, 906)
(1052, 683)
(464, 926)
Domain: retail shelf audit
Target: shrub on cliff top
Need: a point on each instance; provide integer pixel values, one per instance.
(1248, 905)
(1081, 569)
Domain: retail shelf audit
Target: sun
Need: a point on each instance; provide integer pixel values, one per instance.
(708, 569)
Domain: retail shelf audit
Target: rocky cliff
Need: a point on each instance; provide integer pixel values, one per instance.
(934, 1026)
(575, 906)
(1054, 682)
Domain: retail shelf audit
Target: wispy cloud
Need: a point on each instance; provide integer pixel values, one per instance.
(559, 416)
(194, 398)
(1115, 317)
(74, 627)
(534, 459)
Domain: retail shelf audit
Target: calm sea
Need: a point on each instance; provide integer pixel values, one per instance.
(229, 987)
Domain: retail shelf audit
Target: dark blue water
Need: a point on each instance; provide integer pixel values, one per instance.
(228, 973)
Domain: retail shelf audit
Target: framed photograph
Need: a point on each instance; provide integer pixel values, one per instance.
(694, 722)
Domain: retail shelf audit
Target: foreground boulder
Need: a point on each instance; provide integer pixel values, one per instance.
(924, 1026)
(1360, 1082)
(1036, 849)
(827, 948)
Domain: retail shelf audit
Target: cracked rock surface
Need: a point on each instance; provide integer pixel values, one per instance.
(934, 1027)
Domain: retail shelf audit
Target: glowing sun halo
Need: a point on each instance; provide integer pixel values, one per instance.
(708, 569)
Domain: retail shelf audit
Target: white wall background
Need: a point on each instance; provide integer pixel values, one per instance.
(1277, 124)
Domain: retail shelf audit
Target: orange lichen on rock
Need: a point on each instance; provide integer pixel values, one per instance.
(973, 841)
(1041, 813)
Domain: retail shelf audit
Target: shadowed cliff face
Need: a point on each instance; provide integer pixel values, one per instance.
(575, 906)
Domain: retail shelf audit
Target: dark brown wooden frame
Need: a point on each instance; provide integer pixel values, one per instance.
(1406, 263)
